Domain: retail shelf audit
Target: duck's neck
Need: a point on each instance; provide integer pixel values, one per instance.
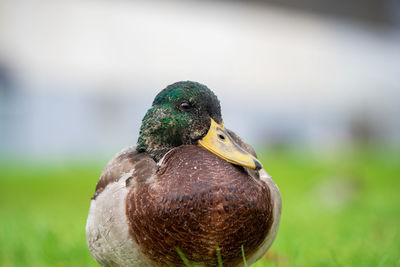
(159, 133)
(154, 149)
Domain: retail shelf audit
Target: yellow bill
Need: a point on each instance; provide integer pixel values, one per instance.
(219, 142)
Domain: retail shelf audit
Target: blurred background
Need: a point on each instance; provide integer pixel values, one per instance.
(313, 85)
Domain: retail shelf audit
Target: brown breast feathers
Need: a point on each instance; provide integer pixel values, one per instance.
(196, 202)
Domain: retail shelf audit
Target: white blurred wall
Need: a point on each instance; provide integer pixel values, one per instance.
(86, 71)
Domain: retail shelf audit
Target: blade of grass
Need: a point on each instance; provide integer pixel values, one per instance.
(219, 257)
(244, 257)
(183, 257)
(335, 258)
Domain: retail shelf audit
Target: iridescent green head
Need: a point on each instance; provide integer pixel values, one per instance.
(180, 115)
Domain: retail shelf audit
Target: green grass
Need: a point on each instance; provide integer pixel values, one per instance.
(338, 210)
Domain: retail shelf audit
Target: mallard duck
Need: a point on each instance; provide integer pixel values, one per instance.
(189, 185)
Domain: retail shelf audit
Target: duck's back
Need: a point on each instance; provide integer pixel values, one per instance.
(107, 227)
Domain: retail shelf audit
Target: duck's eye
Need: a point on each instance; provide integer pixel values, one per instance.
(185, 106)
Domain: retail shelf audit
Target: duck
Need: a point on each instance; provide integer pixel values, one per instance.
(189, 189)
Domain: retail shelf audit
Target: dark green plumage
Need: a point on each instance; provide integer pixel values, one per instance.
(180, 115)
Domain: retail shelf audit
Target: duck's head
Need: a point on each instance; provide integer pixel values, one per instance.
(189, 113)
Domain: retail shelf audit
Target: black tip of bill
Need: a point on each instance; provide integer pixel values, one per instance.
(257, 164)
